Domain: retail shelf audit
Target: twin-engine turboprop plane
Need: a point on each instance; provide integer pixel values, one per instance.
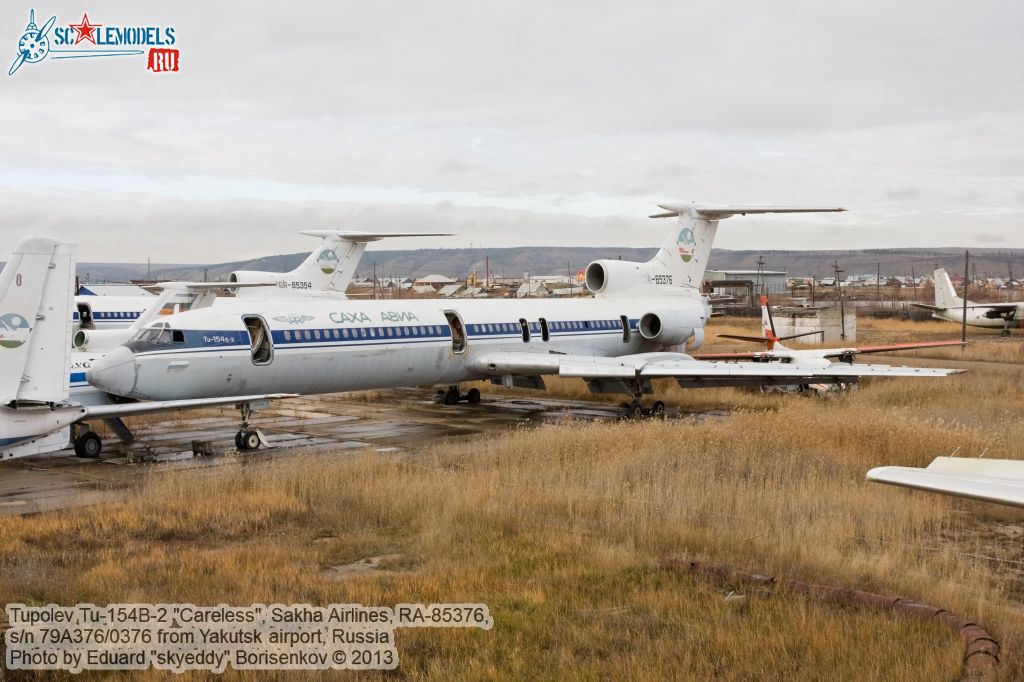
(634, 329)
(949, 306)
(35, 356)
(809, 357)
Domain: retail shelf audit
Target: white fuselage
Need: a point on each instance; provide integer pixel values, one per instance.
(326, 346)
(111, 312)
(979, 316)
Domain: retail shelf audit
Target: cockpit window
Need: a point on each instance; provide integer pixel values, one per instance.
(154, 337)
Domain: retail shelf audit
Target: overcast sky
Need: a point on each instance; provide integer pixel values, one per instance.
(526, 123)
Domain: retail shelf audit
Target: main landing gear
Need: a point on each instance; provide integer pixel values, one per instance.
(248, 438)
(637, 412)
(87, 443)
(453, 396)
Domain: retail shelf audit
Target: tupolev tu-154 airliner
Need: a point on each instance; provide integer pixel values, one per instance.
(637, 327)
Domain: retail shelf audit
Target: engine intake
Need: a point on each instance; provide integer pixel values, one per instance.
(667, 328)
(620, 275)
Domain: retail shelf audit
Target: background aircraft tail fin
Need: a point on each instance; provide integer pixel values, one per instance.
(687, 247)
(36, 297)
(945, 294)
(333, 264)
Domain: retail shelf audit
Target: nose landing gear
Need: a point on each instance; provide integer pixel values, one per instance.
(249, 438)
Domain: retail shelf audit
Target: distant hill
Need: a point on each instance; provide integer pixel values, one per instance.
(559, 260)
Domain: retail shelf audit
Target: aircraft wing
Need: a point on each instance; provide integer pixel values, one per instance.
(827, 352)
(685, 369)
(129, 409)
(206, 286)
(1002, 307)
(989, 480)
(838, 352)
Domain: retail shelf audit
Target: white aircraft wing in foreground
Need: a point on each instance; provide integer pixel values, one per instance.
(687, 371)
(989, 480)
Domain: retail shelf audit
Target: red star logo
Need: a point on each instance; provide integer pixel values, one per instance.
(85, 30)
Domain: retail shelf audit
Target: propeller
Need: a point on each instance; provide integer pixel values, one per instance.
(46, 27)
(18, 62)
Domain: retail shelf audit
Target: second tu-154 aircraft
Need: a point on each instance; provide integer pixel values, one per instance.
(642, 318)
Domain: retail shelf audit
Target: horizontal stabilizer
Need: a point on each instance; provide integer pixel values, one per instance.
(721, 212)
(988, 480)
(363, 237)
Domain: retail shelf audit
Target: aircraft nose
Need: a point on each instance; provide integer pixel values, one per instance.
(114, 373)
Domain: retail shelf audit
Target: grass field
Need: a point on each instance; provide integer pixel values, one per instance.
(565, 530)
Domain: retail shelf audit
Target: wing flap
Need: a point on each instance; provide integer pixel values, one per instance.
(129, 409)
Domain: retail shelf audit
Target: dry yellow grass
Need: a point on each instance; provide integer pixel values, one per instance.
(563, 531)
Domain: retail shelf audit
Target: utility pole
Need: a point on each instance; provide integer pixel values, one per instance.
(760, 277)
(913, 281)
(842, 302)
(878, 282)
(963, 328)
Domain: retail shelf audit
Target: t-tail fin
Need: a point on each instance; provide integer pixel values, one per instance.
(334, 263)
(329, 267)
(36, 298)
(687, 248)
(945, 294)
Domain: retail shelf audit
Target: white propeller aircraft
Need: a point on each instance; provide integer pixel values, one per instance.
(989, 480)
(330, 267)
(35, 352)
(633, 330)
(809, 357)
(949, 306)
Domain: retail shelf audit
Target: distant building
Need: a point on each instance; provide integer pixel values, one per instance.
(436, 281)
(533, 289)
(774, 281)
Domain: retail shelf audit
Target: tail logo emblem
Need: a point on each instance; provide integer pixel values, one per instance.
(686, 243)
(328, 261)
(14, 330)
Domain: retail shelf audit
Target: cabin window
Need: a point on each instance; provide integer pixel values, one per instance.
(287, 335)
(625, 329)
(260, 343)
(458, 331)
(316, 334)
(177, 336)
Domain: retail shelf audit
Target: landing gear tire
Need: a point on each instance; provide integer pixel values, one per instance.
(1004, 333)
(636, 411)
(88, 445)
(247, 440)
(452, 397)
(658, 410)
(473, 396)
